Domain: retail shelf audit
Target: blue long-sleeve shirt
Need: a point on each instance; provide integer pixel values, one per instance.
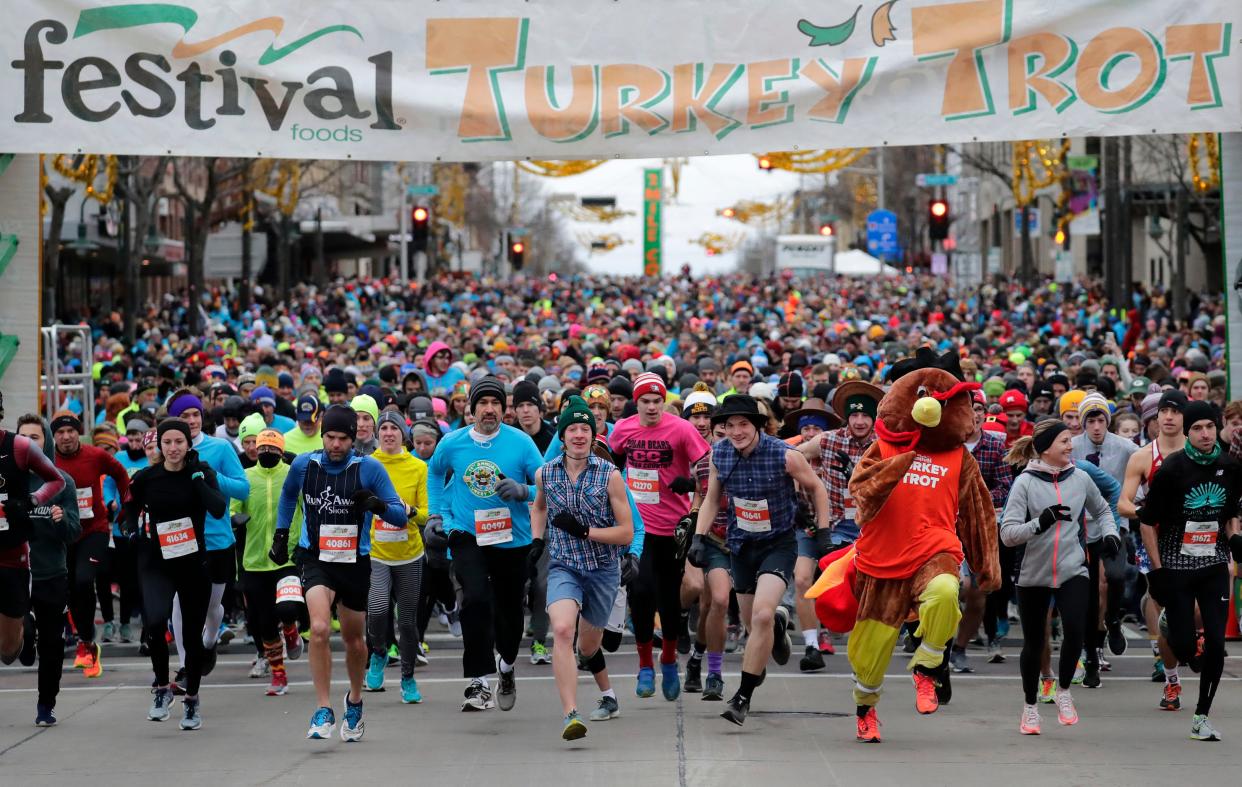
(371, 476)
(231, 478)
(476, 468)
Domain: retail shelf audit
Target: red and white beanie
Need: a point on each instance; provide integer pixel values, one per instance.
(649, 383)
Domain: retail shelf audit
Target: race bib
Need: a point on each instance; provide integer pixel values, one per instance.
(389, 533)
(493, 526)
(338, 543)
(851, 509)
(752, 515)
(644, 485)
(176, 538)
(1199, 539)
(4, 522)
(289, 589)
(85, 504)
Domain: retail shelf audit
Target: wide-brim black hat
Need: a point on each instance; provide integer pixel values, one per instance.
(740, 404)
(814, 406)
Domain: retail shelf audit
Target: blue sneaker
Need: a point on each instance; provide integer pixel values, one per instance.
(670, 681)
(161, 704)
(44, 716)
(375, 672)
(352, 725)
(1002, 627)
(646, 682)
(409, 691)
(321, 724)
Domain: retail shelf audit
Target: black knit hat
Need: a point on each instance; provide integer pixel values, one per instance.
(1199, 411)
(621, 386)
(528, 392)
(335, 382)
(488, 386)
(341, 419)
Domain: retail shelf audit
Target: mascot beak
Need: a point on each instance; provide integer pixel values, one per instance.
(927, 412)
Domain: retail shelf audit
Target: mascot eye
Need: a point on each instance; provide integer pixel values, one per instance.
(922, 391)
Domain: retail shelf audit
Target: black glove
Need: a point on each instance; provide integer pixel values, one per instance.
(697, 554)
(365, 500)
(1157, 585)
(681, 533)
(279, 553)
(1051, 515)
(239, 522)
(532, 557)
(1111, 546)
(433, 534)
(823, 541)
(17, 513)
(1235, 546)
(629, 568)
(569, 523)
(682, 485)
(844, 465)
(193, 463)
(511, 491)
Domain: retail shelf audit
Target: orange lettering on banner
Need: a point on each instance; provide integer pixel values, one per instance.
(481, 48)
(766, 106)
(1200, 44)
(1034, 63)
(625, 90)
(837, 90)
(960, 29)
(570, 122)
(692, 102)
(1101, 56)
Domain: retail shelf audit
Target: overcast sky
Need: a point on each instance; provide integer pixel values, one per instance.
(707, 184)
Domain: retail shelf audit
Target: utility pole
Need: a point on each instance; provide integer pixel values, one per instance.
(320, 274)
(403, 222)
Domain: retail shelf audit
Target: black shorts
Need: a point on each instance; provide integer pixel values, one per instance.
(221, 565)
(350, 581)
(775, 556)
(14, 592)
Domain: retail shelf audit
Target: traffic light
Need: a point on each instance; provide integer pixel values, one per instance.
(517, 253)
(827, 230)
(938, 219)
(420, 220)
(765, 163)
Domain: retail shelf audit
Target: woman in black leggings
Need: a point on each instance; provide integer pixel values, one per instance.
(1045, 512)
(176, 497)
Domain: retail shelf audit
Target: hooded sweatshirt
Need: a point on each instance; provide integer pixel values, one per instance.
(440, 385)
(49, 539)
(397, 545)
(1060, 552)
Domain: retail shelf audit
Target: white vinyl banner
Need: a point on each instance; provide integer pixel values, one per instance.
(1231, 232)
(557, 79)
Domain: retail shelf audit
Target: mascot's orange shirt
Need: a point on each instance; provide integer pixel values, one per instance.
(919, 519)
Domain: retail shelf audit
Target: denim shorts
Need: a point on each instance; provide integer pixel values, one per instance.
(717, 557)
(774, 556)
(595, 591)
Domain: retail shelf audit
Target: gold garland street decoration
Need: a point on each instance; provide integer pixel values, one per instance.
(715, 243)
(286, 188)
(595, 214)
(811, 161)
(601, 244)
(1193, 144)
(450, 203)
(752, 212)
(1036, 166)
(86, 173)
(559, 169)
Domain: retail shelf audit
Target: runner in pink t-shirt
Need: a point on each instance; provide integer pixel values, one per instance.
(658, 449)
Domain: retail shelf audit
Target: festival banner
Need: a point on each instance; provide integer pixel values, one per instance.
(653, 231)
(1231, 232)
(555, 79)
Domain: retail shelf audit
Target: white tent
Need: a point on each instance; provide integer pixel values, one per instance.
(856, 262)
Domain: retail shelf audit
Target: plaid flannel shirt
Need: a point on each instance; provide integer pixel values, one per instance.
(830, 444)
(989, 454)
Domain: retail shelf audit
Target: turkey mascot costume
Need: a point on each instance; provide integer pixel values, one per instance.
(922, 508)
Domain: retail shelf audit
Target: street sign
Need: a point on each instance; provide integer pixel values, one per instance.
(939, 263)
(882, 234)
(934, 179)
(1032, 219)
(518, 231)
(422, 190)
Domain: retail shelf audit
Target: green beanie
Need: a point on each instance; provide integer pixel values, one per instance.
(994, 387)
(575, 411)
(365, 404)
(250, 426)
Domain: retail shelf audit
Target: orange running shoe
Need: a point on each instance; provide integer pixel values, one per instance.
(82, 657)
(1029, 723)
(869, 727)
(1172, 699)
(94, 666)
(925, 700)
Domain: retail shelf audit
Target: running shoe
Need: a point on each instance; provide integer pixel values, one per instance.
(126, 633)
(1002, 627)
(959, 662)
(279, 685)
(1091, 680)
(713, 691)
(82, 657)
(441, 616)
(1105, 664)
(454, 621)
(321, 724)
(420, 654)
(925, 700)
(645, 687)
(670, 681)
(209, 660)
(694, 675)
(225, 635)
(478, 696)
(1116, 638)
(868, 727)
(910, 643)
(178, 683)
(1172, 699)
(1047, 690)
(374, 680)
(1202, 730)
(736, 710)
(506, 693)
(825, 643)
(109, 632)
(1029, 723)
(733, 634)
(293, 642)
(94, 667)
(352, 725)
(160, 705)
(781, 646)
(190, 717)
(812, 661)
(259, 668)
(1080, 672)
(995, 656)
(1067, 714)
(1157, 671)
(335, 625)
(539, 653)
(606, 709)
(410, 694)
(574, 727)
(394, 655)
(44, 716)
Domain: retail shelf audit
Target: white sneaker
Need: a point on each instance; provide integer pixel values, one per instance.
(1029, 722)
(259, 669)
(1202, 730)
(478, 696)
(1066, 713)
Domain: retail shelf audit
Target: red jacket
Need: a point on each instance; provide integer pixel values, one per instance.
(86, 468)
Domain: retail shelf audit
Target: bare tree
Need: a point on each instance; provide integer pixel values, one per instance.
(200, 183)
(140, 182)
(57, 198)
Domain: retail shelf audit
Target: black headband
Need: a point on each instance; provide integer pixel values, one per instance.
(1044, 440)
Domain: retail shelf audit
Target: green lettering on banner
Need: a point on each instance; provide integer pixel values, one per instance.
(653, 200)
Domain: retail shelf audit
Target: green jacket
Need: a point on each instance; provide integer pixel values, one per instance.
(49, 539)
(262, 506)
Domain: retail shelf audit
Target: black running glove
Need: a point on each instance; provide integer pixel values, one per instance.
(629, 568)
(682, 485)
(1051, 515)
(697, 554)
(1111, 546)
(532, 557)
(279, 553)
(569, 524)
